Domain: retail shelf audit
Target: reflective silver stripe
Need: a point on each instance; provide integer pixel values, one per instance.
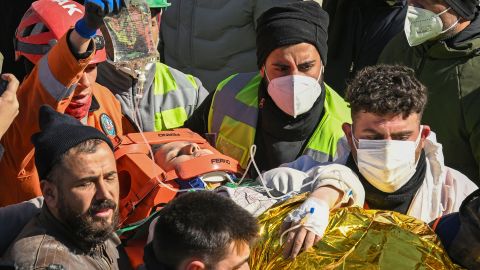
(71, 89)
(50, 83)
(186, 95)
(318, 155)
(225, 103)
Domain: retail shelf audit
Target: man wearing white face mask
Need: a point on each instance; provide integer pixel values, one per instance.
(285, 109)
(442, 44)
(398, 161)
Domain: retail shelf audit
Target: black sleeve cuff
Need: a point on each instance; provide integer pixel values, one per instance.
(80, 56)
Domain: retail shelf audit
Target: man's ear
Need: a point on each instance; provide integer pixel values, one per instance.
(262, 71)
(425, 132)
(50, 193)
(195, 265)
(347, 129)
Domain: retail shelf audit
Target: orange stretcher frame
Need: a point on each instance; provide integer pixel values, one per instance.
(140, 191)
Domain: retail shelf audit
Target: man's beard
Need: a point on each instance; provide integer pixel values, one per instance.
(87, 228)
(449, 34)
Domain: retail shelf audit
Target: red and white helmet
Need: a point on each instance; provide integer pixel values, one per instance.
(44, 23)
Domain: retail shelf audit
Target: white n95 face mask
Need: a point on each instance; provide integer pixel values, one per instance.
(387, 164)
(294, 94)
(422, 25)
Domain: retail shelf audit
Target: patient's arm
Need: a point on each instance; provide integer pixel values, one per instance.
(306, 225)
(332, 186)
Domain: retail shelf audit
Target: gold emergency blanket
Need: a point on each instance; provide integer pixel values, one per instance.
(354, 239)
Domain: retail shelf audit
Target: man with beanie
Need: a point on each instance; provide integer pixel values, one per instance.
(78, 174)
(286, 109)
(441, 42)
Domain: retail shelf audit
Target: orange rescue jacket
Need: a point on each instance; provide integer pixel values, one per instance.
(52, 82)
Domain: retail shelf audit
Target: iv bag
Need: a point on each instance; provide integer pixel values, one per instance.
(128, 37)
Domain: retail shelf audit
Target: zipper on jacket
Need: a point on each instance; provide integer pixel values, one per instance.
(103, 256)
(99, 258)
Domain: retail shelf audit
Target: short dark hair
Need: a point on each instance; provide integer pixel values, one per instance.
(87, 147)
(386, 89)
(201, 225)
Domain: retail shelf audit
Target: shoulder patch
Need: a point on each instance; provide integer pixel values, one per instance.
(107, 124)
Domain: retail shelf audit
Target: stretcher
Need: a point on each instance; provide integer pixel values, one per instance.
(145, 187)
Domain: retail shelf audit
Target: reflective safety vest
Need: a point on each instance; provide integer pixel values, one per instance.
(176, 95)
(234, 112)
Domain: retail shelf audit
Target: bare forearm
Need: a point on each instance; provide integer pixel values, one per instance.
(78, 43)
(328, 194)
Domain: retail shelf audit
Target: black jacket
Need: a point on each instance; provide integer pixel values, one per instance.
(358, 32)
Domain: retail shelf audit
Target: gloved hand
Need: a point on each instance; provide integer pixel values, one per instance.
(95, 11)
(304, 226)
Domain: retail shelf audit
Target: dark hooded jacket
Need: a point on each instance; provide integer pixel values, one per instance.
(450, 71)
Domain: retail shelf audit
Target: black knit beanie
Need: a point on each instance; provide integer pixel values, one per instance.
(294, 23)
(464, 8)
(58, 133)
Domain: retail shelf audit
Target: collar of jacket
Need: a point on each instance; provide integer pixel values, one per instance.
(61, 232)
(122, 84)
(95, 105)
(440, 50)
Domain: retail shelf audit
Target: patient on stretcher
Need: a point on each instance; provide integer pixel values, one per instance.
(184, 160)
